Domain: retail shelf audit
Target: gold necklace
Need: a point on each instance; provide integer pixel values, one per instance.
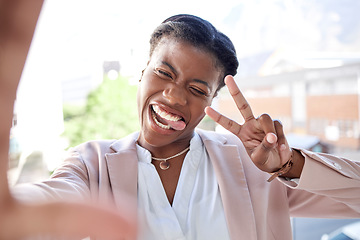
(164, 165)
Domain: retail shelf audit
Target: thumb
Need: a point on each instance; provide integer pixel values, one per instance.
(260, 156)
(270, 140)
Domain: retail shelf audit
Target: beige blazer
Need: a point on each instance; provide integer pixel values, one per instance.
(255, 209)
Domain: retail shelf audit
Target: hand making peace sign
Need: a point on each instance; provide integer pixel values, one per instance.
(262, 137)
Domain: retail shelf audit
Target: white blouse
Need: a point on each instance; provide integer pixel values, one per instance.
(197, 211)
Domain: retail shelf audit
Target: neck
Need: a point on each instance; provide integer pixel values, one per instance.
(162, 149)
(166, 151)
(173, 156)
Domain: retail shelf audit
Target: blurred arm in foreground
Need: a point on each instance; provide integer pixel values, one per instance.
(18, 20)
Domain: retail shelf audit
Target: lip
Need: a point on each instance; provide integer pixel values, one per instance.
(169, 109)
(154, 126)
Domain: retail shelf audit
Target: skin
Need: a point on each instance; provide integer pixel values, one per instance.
(183, 80)
(169, 80)
(263, 138)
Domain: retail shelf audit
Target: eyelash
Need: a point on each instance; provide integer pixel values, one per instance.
(164, 73)
(197, 91)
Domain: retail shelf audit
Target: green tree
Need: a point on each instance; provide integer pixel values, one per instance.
(109, 113)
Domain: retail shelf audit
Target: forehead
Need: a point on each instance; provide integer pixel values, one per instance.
(186, 58)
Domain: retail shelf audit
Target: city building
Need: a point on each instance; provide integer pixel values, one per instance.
(321, 102)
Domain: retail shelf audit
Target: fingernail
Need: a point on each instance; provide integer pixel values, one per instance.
(271, 138)
(282, 147)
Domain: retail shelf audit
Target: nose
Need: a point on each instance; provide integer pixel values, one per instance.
(175, 95)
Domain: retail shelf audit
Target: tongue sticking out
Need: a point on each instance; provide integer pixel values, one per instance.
(172, 120)
(177, 125)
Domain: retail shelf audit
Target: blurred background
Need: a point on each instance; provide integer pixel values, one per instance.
(299, 62)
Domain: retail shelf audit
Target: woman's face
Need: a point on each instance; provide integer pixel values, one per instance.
(179, 81)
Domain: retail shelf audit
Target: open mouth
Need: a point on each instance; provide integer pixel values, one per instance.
(167, 120)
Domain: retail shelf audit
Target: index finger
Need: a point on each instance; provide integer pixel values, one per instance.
(239, 98)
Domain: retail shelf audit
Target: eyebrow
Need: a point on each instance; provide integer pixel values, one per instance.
(203, 82)
(170, 66)
(196, 80)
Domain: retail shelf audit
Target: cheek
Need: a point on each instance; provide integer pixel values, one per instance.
(148, 84)
(144, 92)
(206, 104)
(142, 96)
(198, 111)
(138, 99)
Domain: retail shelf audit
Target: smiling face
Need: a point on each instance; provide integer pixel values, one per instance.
(179, 81)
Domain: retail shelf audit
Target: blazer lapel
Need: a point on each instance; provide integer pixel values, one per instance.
(233, 188)
(123, 169)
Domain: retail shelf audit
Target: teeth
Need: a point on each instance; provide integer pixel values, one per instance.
(166, 115)
(159, 123)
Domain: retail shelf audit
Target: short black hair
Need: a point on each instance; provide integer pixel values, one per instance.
(200, 33)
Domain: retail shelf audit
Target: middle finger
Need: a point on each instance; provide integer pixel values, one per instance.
(239, 98)
(227, 123)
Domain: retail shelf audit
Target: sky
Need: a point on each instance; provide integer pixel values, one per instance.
(84, 30)
(77, 34)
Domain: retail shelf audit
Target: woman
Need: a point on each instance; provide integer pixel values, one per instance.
(192, 184)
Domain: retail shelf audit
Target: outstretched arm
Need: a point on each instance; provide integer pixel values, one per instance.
(262, 137)
(17, 23)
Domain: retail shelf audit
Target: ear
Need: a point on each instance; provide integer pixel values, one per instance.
(215, 94)
(142, 74)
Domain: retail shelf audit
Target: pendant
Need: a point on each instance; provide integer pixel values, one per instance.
(164, 165)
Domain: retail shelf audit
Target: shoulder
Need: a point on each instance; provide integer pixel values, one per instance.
(93, 146)
(107, 145)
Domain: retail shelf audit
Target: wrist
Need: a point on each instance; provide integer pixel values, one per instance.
(292, 168)
(298, 164)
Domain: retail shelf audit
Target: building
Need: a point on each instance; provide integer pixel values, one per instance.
(322, 102)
